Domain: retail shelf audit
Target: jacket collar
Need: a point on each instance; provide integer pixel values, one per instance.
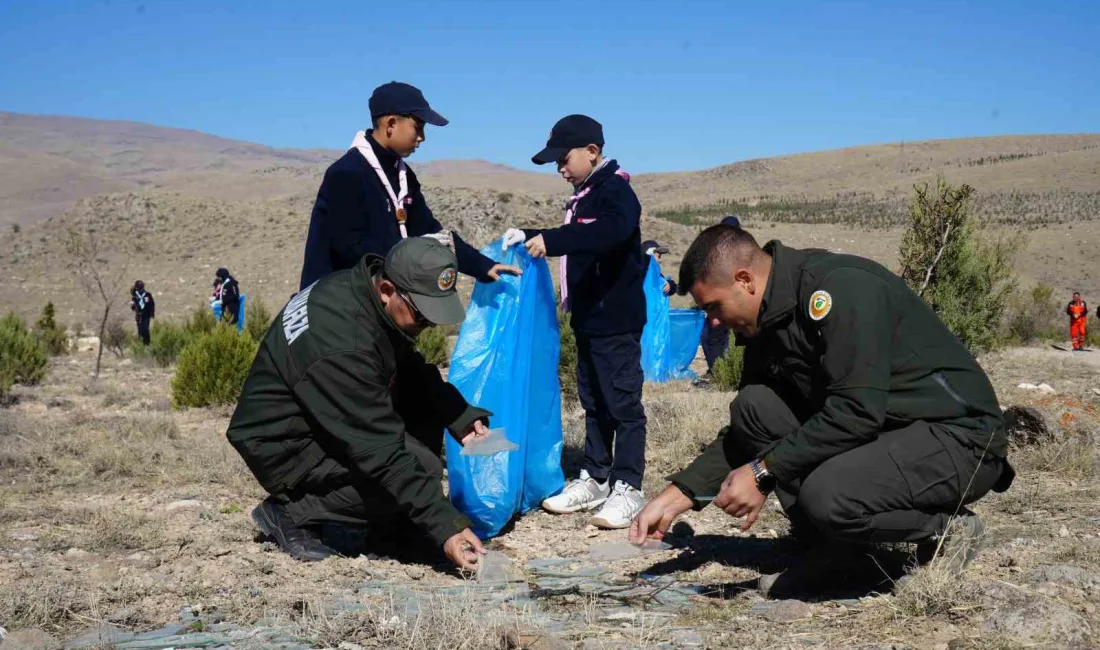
(781, 294)
(600, 174)
(386, 158)
(366, 293)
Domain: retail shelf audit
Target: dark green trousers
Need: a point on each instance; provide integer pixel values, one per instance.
(900, 487)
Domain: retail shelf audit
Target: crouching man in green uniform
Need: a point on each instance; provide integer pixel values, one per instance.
(341, 420)
(857, 407)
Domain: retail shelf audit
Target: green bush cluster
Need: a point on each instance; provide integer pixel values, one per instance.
(1034, 316)
(726, 373)
(432, 345)
(212, 368)
(200, 321)
(257, 319)
(23, 359)
(49, 334)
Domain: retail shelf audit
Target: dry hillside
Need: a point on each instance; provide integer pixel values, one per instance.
(190, 202)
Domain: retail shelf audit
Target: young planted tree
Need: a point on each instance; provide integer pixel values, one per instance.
(967, 281)
(103, 282)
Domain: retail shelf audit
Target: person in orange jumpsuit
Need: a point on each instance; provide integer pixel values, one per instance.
(1078, 321)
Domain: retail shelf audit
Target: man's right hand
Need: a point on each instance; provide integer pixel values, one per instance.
(656, 518)
(464, 549)
(511, 237)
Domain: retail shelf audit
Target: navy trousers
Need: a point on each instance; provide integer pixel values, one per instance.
(609, 384)
(714, 340)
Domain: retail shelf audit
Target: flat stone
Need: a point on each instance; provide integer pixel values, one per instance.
(30, 638)
(1041, 622)
(76, 553)
(141, 560)
(786, 611)
(1066, 575)
(100, 635)
(687, 639)
(23, 537)
(185, 504)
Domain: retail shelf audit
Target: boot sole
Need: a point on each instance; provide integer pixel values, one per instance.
(588, 505)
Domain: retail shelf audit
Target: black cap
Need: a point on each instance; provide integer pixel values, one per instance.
(570, 132)
(731, 220)
(427, 270)
(222, 273)
(396, 98)
(649, 247)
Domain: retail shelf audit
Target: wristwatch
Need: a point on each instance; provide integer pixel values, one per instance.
(765, 480)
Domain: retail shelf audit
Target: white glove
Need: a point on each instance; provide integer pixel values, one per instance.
(511, 237)
(443, 237)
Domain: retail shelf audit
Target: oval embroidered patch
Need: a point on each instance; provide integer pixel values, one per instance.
(820, 304)
(447, 279)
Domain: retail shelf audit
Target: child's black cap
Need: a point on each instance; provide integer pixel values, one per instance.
(570, 132)
(396, 98)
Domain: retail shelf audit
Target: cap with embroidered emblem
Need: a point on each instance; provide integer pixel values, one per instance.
(428, 272)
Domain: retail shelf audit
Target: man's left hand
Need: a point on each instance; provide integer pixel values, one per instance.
(739, 496)
(494, 273)
(536, 247)
(475, 431)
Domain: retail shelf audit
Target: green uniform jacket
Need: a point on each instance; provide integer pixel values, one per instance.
(324, 384)
(853, 352)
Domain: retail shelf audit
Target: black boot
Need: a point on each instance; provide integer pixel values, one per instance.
(300, 543)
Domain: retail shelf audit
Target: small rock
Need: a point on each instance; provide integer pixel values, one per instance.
(24, 537)
(348, 645)
(415, 572)
(1041, 622)
(141, 560)
(76, 553)
(1063, 531)
(956, 644)
(1046, 389)
(530, 639)
(687, 639)
(29, 639)
(786, 611)
(184, 504)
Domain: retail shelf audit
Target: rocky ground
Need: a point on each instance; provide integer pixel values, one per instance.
(125, 524)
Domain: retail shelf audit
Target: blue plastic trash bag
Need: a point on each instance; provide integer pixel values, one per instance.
(668, 333)
(506, 361)
(685, 327)
(217, 308)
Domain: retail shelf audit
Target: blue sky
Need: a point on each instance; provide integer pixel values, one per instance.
(677, 85)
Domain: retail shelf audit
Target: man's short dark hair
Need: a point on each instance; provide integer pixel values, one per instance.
(716, 249)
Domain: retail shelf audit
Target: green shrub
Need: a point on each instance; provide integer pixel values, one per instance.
(567, 360)
(966, 281)
(212, 368)
(1033, 314)
(201, 321)
(166, 342)
(23, 359)
(117, 336)
(49, 333)
(726, 374)
(432, 345)
(257, 319)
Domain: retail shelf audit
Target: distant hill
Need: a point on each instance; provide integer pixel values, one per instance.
(194, 201)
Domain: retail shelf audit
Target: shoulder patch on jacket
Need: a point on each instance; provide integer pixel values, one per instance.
(820, 304)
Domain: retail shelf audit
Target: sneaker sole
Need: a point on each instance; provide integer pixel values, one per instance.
(589, 505)
(600, 522)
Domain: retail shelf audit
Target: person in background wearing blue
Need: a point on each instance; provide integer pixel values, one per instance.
(656, 251)
(369, 199)
(231, 296)
(602, 274)
(716, 338)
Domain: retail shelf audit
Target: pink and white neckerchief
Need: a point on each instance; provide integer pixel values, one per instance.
(398, 199)
(570, 207)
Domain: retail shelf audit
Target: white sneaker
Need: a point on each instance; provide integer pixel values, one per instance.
(582, 493)
(621, 506)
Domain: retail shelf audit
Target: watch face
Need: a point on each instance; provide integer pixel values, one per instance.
(766, 482)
